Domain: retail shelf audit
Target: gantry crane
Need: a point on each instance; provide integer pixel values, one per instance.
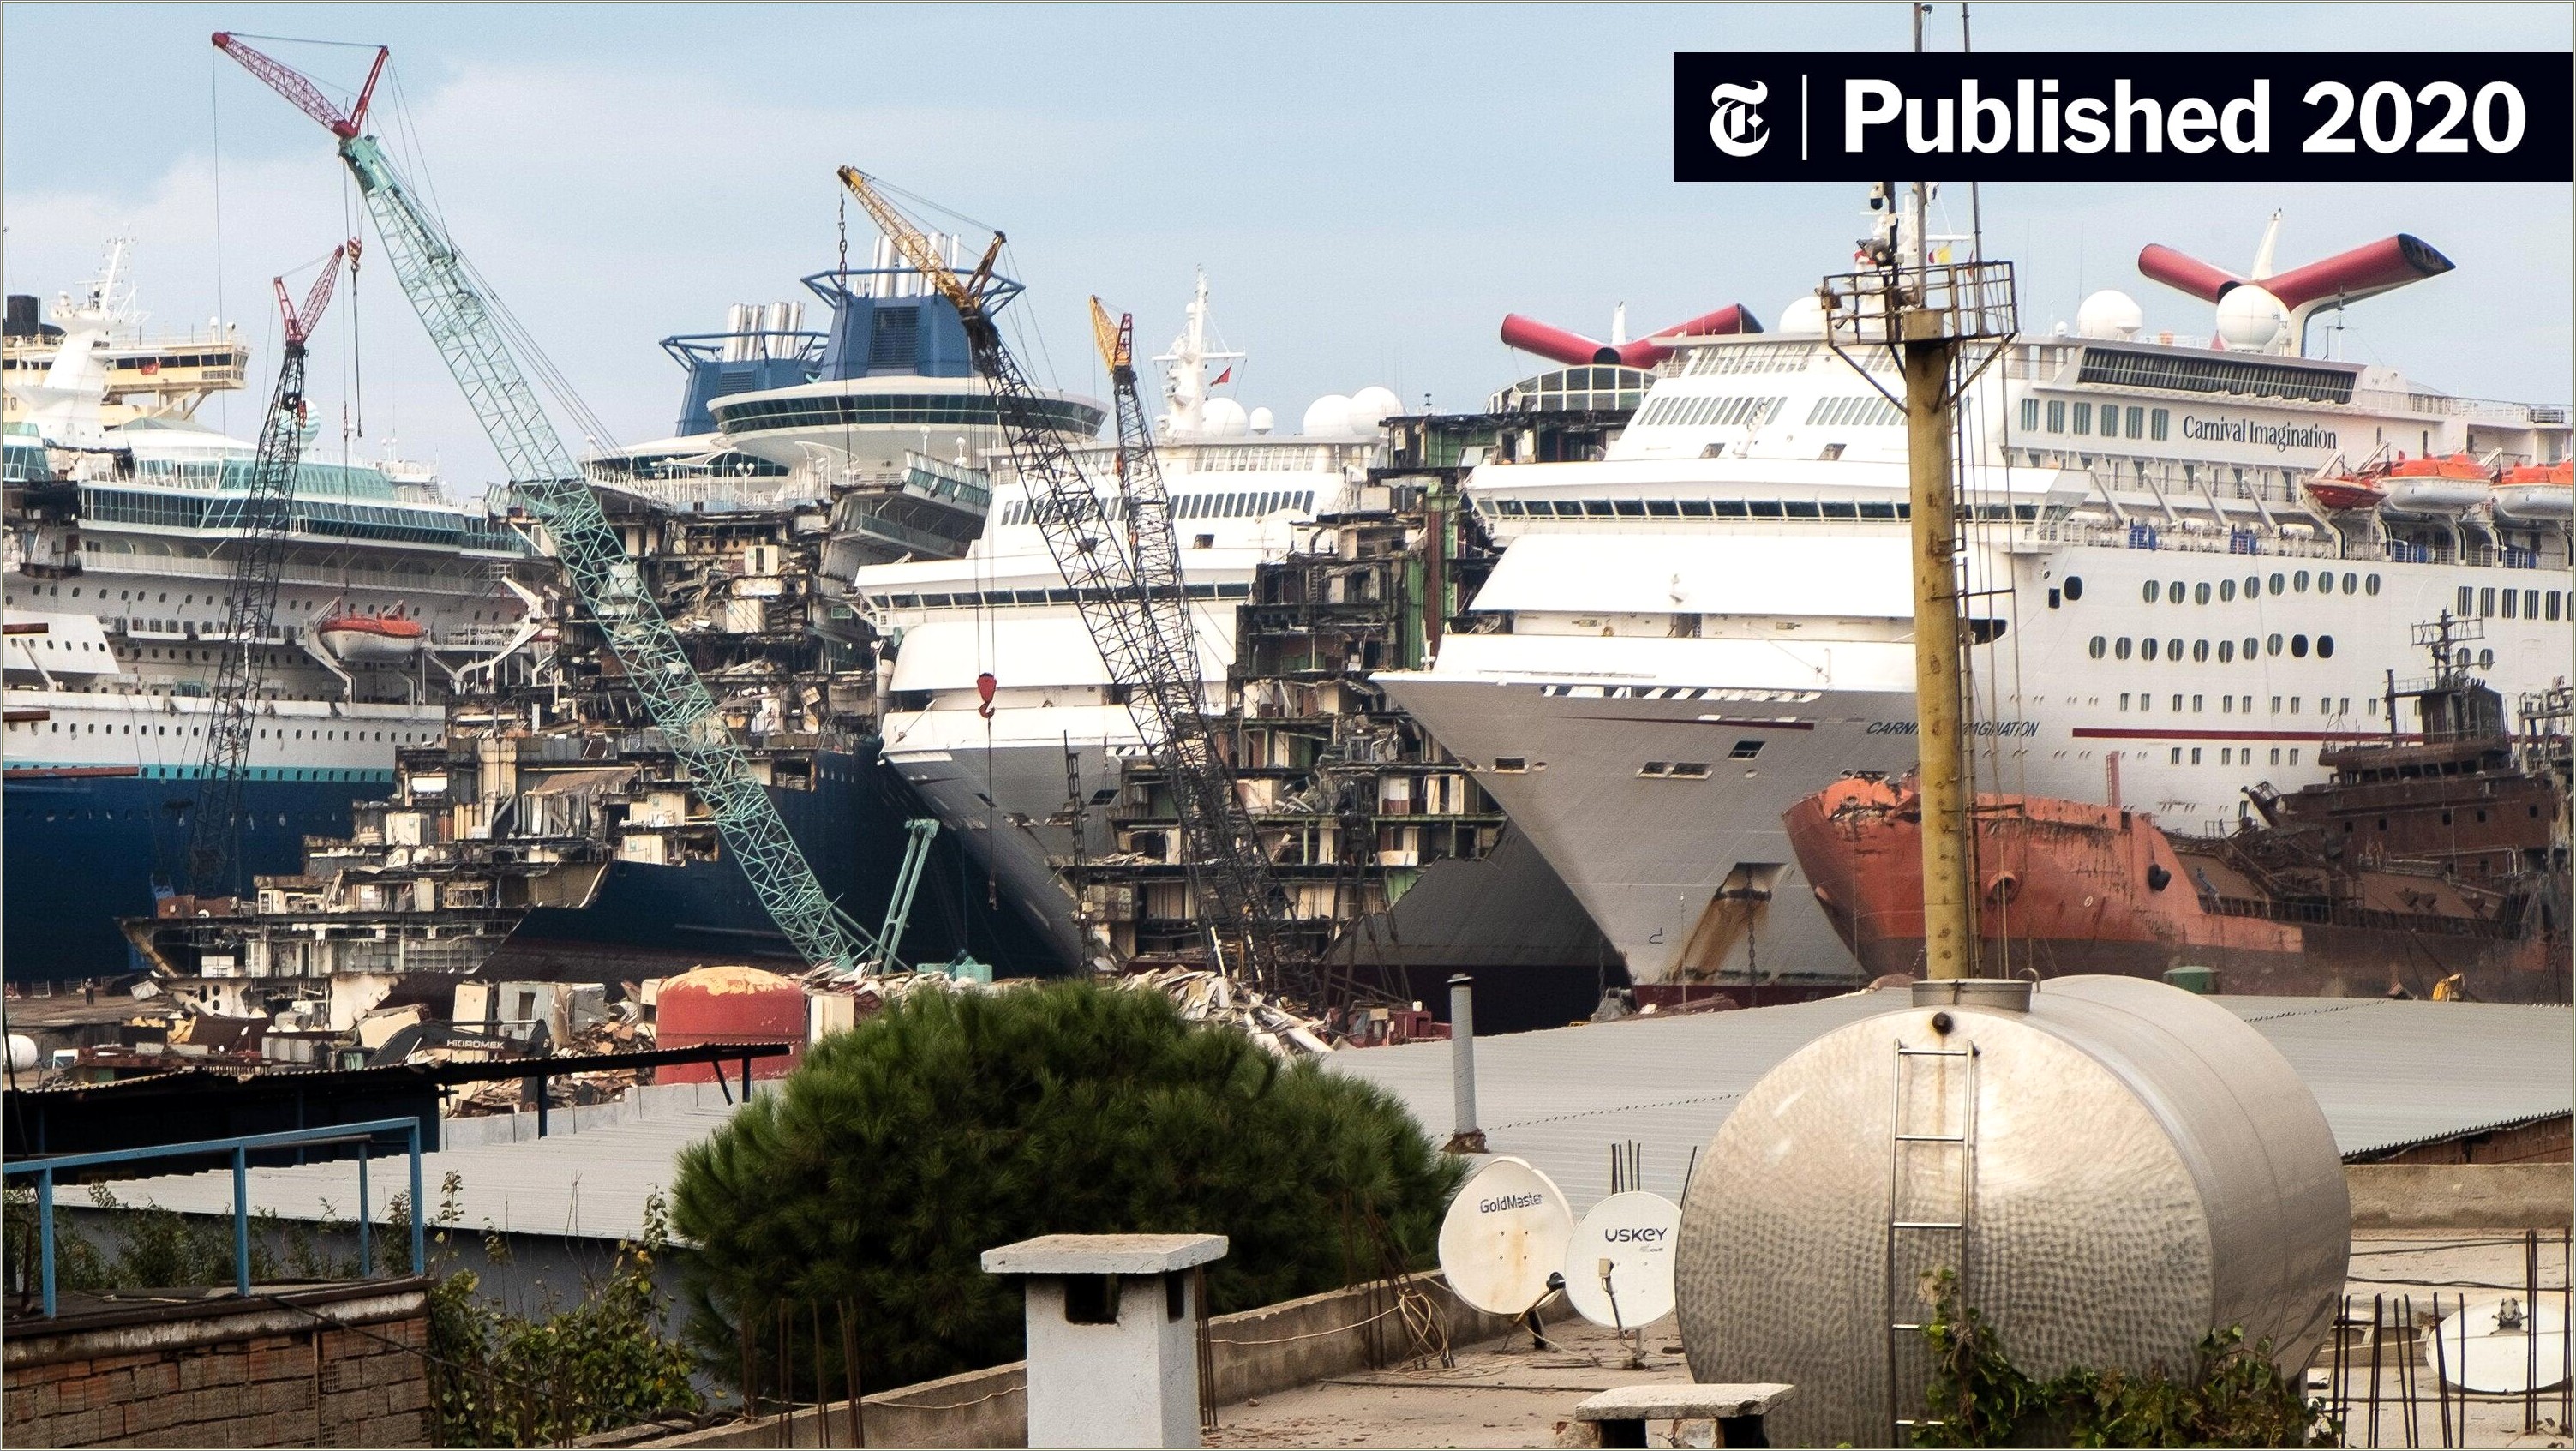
(462, 322)
(1124, 566)
(250, 608)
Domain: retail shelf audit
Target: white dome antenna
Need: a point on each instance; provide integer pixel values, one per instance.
(2110, 314)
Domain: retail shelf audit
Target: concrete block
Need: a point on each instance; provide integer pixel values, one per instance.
(200, 1370)
(282, 1395)
(89, 1427)
(409, 1394)
(28, 1400)
(155, 1379)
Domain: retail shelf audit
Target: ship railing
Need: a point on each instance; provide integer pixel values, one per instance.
(2141, 535)
(2319, 914)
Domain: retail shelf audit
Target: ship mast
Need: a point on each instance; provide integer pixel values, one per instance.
(1941, 324)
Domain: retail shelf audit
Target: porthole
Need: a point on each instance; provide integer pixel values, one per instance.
(2226, 590)
(2253, 586)
(2147, 648)
(2277, 584)
(2486, 659)
(2226, 651)
(2151, 592)
(2074, 587)
(2173, 650)
(2272, 645)
(2097, 647)
(2325, 582)
(2173, 592)
(2200, 593)
(2325, 647)
(2120, 648)
(2299, 581)
(2370, 585)
(2200, 648)
(2299, 647)
(2250, 647)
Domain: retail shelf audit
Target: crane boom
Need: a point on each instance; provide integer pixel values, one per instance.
(1124, 566)
(250, 607)
(544, 477)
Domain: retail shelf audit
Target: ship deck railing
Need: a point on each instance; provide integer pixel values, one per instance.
(2505, 928)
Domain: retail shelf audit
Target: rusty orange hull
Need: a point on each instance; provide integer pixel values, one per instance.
(2075, 887)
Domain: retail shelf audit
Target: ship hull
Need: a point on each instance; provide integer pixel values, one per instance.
(2067, 887)
(646, 919)
(84, 845)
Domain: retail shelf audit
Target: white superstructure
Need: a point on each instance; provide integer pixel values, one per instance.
(1024, 774)
(1688, 635)
(118, 557)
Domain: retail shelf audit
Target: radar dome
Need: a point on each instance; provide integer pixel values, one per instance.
(2110, 314)
(1330, 414)
(1804, 317)
(1372, 406)
(2251, 319)
(1221, 418)
(1261, 421)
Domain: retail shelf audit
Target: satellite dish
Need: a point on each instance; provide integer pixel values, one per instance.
(1619, 1266)
(2490, 1346)
(1505, 1234)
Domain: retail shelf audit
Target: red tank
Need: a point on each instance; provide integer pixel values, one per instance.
(729, 1005)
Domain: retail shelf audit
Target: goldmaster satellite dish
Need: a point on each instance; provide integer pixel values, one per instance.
(1505, 1234)
(1619, 1265)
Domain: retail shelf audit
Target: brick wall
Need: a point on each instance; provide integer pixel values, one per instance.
(216, 1373)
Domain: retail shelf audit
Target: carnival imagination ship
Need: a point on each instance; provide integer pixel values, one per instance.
(2194, 562)
(121, 512)
(999, 709)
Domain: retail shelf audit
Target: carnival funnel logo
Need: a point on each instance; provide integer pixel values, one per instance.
(1738, 127)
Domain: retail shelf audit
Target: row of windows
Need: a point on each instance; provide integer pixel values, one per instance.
(1733, 509)
(310, 516)
(927, 409)
(2283, 582)
(1232, 504)
(1680, 692)
(2487, 602)
(2201, 650)
(998, 598)
(2241, 756)
(2244, 704)
(400, 738)
(2188, 373)
(2153, 423)
(1751, 358)
(1857, 410)
(1709, 411)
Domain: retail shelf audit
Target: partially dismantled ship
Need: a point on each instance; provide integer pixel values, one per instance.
(2430, 865)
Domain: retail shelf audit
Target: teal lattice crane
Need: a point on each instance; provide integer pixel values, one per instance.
(462, 322)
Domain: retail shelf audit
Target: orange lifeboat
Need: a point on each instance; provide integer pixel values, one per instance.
(371, 639)
(2537, 493)
(2342, 492)
(2442, 486)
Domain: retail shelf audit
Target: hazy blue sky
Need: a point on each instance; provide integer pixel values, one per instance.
(1370, 189)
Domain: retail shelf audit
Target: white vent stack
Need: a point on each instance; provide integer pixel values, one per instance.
(2110, 1167)
(1112, 1335)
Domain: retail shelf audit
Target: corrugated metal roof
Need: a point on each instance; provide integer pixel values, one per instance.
(2386, 1073)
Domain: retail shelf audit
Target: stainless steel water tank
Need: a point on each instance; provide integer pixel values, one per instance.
(2130, 1166)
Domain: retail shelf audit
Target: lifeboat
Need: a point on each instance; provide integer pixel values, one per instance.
(371, 639)
(2537, 493)
(2341, 492)
(2440, 486)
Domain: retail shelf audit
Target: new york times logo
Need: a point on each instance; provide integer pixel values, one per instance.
(1738, 127)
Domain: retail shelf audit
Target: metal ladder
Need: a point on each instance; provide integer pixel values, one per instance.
(1933, 1231)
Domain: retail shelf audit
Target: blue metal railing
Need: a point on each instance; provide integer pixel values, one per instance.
(239, 1150)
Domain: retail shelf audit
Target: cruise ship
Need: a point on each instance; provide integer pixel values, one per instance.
(2193, 563)
(999, 711)
(114, 571)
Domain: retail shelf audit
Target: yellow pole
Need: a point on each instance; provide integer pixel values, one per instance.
(1949, 898)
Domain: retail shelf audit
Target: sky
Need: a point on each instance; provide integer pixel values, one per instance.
(1369, 189)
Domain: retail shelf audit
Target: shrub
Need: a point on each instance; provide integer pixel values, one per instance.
(2234, 1395)
(954, 1122)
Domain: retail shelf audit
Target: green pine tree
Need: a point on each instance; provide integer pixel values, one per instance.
(954, 1122)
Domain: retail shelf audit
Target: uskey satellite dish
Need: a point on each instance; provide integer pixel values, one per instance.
(1505, 1234)
(1619, 1265)
(2502, 1346)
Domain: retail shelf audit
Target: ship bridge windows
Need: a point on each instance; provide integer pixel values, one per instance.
(1713, 410)
(1855, 410)
(2189, 373)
